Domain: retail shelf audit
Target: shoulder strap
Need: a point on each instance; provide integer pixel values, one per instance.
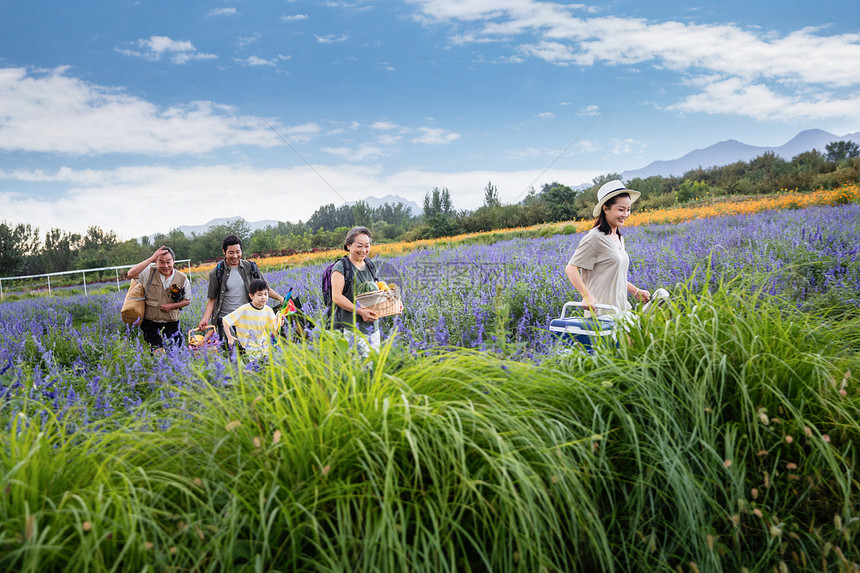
(149, 282)
(372, 268)
(347, 273)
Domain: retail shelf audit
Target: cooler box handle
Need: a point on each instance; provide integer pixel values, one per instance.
(583, 306)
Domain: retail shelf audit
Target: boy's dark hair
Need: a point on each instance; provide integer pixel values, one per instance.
(230, 240)
(257, 285)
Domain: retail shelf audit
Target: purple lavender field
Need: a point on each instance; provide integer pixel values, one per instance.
(718, 436)
(452, 296)
(75, 353)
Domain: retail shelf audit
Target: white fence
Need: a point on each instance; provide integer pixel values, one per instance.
(83, 273)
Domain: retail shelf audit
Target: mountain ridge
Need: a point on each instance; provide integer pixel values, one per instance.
(731, 151)
(721, 153)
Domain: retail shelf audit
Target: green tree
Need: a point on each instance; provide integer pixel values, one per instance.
(297, 241)
(837, 151)
(362, 214)
(263, 241)
(382, 231)
(328, 217)
(60, 250)
(129, 253)
(439, 215)
(601, 179)
(207, 246)
(689, 190)
(17, 243)
(94, 251)
(561, 201)
(238, 227)
(176, 240)
(531, 197)
(491, 196)
(438, 203)
(398, 215)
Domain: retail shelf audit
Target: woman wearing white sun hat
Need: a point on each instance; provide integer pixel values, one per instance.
(598, 267)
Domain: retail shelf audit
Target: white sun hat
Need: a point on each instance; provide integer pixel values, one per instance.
(609, 190)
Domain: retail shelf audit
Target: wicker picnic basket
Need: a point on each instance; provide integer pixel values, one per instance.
(203, 341)
(382, 302)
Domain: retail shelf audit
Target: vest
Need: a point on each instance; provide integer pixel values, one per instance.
(157, 296)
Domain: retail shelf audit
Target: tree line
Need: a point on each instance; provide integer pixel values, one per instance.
(24, 251)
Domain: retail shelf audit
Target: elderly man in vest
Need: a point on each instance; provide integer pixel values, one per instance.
(167, 291)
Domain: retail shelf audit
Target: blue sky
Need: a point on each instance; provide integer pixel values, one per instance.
(142, 116)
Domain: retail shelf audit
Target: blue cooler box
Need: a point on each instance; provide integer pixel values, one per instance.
(584, 331)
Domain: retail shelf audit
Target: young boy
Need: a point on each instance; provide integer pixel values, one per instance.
(254, 321)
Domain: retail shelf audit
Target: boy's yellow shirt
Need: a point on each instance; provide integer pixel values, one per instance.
(254, 326)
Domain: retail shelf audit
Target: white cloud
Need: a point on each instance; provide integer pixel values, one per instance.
(780, 67)
(302, 133)
(624, 146)
(589, 110)
(587, 146)
(735, 96)
(554, 52)
(294, 17)
(156, 47)
(583, 146)
(166, 198)
(222, 12)
(545, 115)
(386, 136)
(255, 61)
(331, 38)
(435, 136)
(531, 152)
(51, 112)
(363, 152)
(245, 41)
(384, 125)
(358, 6)
(63, 175)
(389, 139)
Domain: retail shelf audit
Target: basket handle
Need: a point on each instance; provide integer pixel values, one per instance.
(207, 330)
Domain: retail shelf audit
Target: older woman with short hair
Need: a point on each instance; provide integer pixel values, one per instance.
(348, 314)
(167, 292)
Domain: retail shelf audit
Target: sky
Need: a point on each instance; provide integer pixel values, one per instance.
(142, 116)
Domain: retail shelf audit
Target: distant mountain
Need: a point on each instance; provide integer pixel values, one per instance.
(731, 151)
(391, 200)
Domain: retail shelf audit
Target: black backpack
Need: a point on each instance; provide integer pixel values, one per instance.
(347, 279)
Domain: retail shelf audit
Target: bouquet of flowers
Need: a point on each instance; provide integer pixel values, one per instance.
(177, 293)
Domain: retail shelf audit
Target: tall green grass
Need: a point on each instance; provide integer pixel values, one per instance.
(718, 435)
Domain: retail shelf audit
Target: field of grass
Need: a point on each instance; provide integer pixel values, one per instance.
(718, 434)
